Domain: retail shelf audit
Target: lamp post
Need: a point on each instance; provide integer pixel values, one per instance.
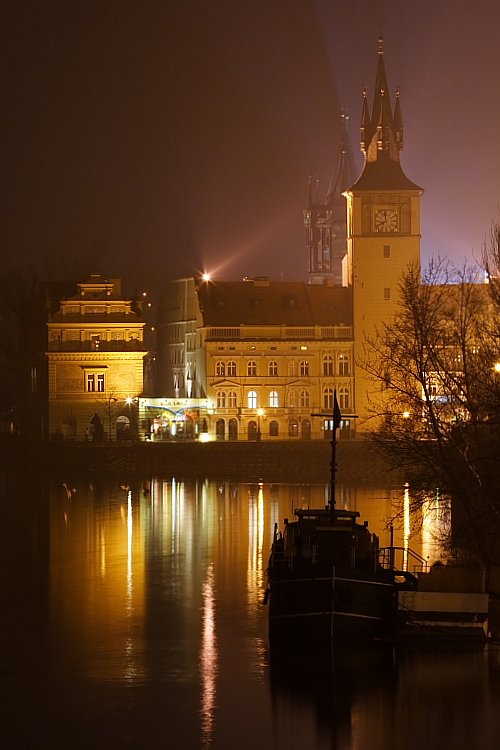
(260, 413)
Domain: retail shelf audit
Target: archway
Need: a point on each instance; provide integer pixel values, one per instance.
(220, 429)
(233, 429)
(252, 430)
(305, 429)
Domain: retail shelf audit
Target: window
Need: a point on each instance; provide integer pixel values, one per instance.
(293, 398)
(95, 343)
(387, 251)
(232, 399)
(220, 369)
(304, 367)
(387, 293)
(328, 398)
(273, 429)
(293, 428)
(304, 399)
(292, 368)
(231, 368)
(252, 368)
(273, 398)
(221, 399)
(95, 382)
(327, 365)
(252, 399)
(273, 368)
(343, 364)
(344, 399)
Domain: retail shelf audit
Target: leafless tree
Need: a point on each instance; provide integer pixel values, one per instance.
(436, 396)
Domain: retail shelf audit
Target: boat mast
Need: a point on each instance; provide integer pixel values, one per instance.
(337, 417)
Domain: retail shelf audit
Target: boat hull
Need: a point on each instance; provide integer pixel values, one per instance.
(343, 605)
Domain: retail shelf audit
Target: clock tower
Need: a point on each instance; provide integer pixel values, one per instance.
(383, 228)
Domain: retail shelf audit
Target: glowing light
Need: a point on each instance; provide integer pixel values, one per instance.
(208, 659)
(406, 415)
(205, 437)
(129, 400)
(206, 276)
(497, 367)
(260, 412)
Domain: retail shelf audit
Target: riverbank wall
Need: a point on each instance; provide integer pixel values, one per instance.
(302, 461)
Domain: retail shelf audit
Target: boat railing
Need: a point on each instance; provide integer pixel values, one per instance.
(402, 558)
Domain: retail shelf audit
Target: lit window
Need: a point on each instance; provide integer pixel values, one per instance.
(293, 428)
(221, 399)
(90, 383)
(252, 368)
(100, 383)
(95, 383)
(304, 367)
(232, 399)
(231, 368)
(252, 399)
(273, 398)
(220, 369)
(95, 343)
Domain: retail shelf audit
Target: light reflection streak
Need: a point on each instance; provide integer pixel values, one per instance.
(406, 526)
(208, 660)
(130, 668)
(255, 566)
(435, 525)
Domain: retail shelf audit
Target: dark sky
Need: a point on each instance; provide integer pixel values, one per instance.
(153, 139)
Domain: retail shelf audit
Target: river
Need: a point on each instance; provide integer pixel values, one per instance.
(134, 619)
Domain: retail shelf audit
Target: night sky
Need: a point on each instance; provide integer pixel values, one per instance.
(152, 140)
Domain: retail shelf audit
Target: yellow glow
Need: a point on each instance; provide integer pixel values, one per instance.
(260, 412)
(208, 659)
(205, 437)
(406, 414)
(129, 400)
(206, 276)
(497, 367)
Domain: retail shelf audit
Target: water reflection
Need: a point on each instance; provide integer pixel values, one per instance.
(133, 618)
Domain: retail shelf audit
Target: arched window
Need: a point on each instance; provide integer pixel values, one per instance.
(252, 368)
(343, 364)
(327, 365)
(221, 399)
(344, 398)
(304, 367)
(304, 399)
(273, 398)
(273, 368)
(293, 398)
(232, 399)
(293, 427)
(274, 430)
(305, 429)
(252, 399)
(292, 368)
(220, 369)
(328, 398)
(231, 368)
(252, 430)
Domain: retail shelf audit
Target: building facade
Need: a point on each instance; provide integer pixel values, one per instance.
(95, 363)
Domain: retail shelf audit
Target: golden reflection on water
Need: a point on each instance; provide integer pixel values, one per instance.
(208, 659)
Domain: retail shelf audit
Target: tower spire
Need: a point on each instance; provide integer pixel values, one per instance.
(381, 134)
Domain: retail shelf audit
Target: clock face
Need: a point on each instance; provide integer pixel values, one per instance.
(386, 220)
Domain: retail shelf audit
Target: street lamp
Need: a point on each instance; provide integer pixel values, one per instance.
(260, 413)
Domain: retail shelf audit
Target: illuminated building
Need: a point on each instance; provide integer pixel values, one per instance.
(272, 353)
(257, 351)
(95, 361)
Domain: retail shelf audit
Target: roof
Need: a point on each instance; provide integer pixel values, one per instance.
(257, 302)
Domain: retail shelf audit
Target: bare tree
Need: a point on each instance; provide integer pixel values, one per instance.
(436, 393)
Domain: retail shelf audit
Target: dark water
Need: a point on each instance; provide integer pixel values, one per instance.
(136, 620)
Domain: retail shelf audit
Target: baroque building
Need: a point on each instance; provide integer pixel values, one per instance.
(95, 363)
